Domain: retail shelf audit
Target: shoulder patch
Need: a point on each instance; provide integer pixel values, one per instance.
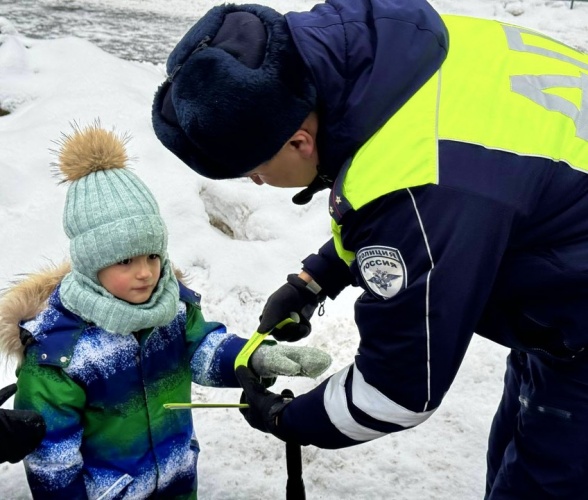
(382, 270)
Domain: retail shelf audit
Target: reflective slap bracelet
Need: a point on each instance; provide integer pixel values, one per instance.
(253, 343)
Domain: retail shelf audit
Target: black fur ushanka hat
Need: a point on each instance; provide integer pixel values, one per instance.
(237, 90)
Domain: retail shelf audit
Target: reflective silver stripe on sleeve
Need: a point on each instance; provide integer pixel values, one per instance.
(338, 412)
(368, 399)
(371, 401)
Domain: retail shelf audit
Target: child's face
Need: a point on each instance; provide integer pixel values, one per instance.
(132, 280)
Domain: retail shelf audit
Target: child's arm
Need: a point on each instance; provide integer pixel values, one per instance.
(213, 361)
(212, 350)
(54, 469)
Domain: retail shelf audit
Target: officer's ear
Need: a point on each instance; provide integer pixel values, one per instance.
(304, 139)
(303, 142)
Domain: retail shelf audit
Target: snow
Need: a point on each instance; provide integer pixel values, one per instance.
(237, 241)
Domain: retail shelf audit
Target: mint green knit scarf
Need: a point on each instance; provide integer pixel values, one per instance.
(93, 303)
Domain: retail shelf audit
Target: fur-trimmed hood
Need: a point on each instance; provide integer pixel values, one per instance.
(25, 298)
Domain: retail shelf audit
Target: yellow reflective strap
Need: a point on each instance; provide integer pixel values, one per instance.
(256, 339)
(253, 343)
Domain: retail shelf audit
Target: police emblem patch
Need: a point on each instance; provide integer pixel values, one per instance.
(382, 269)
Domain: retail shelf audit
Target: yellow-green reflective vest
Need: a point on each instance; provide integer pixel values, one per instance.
(502, 87)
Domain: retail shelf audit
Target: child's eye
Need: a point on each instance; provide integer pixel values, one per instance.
(124, 262)
(154, 256)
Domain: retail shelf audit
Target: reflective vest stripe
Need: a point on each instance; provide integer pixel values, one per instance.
(540, 89)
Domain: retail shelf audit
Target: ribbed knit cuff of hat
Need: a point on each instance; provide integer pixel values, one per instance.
(93, 303)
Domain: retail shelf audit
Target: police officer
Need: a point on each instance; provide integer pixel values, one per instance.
(458, 201)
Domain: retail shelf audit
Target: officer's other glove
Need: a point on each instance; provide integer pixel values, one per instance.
(265, 407)
(21, 431)
(272, 360)
(293, 297)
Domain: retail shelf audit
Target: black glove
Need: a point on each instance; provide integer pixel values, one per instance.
(21, 431)
(293, 297)
(264, 406)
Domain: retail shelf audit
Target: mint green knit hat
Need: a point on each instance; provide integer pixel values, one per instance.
(110, 214)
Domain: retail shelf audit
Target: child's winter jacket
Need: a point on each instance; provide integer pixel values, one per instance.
(102, 394)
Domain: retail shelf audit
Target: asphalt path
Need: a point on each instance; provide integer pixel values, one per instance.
(129, 34)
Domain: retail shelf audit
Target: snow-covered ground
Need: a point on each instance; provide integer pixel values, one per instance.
(238, 241)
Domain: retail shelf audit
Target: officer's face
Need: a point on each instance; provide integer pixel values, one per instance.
(284, 171)
(295, 165)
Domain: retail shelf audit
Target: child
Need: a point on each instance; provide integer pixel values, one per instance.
(107, 341)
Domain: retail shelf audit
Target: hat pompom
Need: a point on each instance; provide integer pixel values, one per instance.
(90, 149)
(109, 213)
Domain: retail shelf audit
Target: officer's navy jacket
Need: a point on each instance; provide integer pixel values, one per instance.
(459, 153)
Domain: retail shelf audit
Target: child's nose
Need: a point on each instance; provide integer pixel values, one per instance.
(144, 270)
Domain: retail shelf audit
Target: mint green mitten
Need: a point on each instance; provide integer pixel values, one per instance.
(292, 361)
